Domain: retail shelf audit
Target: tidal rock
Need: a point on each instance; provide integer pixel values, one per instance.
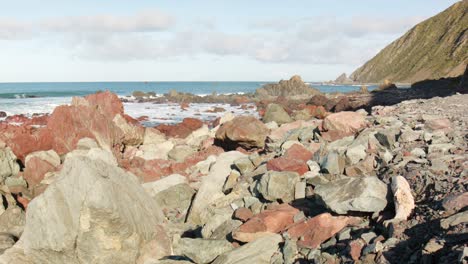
(8, 164)
(202, 250)
(38, 164)
(244, 131)
(343, 124)
(314, 231)
(293, 86)
(278, 185)
(93, 213)
(365, 194)
(259, 251)
(276, 113)
(274, 220)
(181, 130)
(212, 185)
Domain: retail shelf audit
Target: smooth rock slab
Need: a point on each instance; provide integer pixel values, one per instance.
(402, 197)
(259, 251)
(365, 194)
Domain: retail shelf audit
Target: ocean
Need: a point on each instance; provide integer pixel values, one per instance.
(43, 97)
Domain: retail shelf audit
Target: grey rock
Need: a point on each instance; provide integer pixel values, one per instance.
(8, 165)
(418, 152)
(387, 137)
(289, 251)
(259, 251)
(276, 113)
(356, 153)
(333, 163)
(93, 213)
(368, 237)
(202, 250)
(180, 153)
(231, 181)
(275, 185)
(454, 220)
(177, 197)
(365, 194)
(244, 165)
(299, 191)
(6, 241)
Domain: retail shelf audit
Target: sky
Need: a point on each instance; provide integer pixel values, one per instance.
(182, 40)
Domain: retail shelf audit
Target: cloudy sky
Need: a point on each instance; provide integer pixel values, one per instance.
(218, 40)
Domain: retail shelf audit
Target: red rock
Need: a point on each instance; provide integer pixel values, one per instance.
(274, 220)
(35, 170)
(143, 118)
(20, 119)
(314, 231)
(355, 248)
(243, 214)
(24, 139)
(318, 100)
(287, 164)
(23, 201)
(343, 124)
(181, 130)
(106, 102)
(298, 152)
(243, 131)
(149, 170)
(316, 111)
(184, 106)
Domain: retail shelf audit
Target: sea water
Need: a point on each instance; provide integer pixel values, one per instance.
(40, 98)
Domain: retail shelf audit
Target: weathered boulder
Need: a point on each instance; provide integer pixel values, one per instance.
(93, 213)
(180, 153)
(287, 164)
(278, 185)
(276, 113)
(8, 164)
(364, 194)
(314, 231)
(259, 251)
(342, 124)
(274, 220)
(455, 202)
(202, 250)
(38, 163)
(244, 131)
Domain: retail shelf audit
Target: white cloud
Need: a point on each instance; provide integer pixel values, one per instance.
(146, 21)
(11, 29)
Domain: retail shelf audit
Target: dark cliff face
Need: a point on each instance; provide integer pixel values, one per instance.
(435, 48)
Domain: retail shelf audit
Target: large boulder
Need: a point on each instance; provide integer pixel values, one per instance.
(364, 194)
(342, 124)
(244, 131)
(181, 130)
(93, 213)
(276, 113)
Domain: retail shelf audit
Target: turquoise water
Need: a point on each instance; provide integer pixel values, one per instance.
(24, 90)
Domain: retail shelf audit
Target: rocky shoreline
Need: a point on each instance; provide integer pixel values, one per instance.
(311, 181)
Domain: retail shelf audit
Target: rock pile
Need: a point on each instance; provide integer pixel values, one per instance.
(387, 186)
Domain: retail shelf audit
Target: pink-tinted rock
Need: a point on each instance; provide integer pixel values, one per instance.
(313, 232)
(243, 214)
(355, 248)
(280, 132)
(181, 130)
(438, 124)
(343, 124)
(35, 170)
(298, 152)
(274, 220)
(243, 131)
(288, 164)
(106, 102)
(20, 119)
(24, 139)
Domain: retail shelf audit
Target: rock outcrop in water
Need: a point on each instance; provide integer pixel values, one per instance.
(433, 49)
(380, 186)
(293, 86)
